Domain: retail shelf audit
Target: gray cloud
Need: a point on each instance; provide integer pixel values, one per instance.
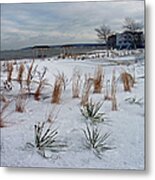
(58, 23)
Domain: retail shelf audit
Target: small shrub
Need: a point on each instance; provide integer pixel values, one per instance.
(91, 111)
(95, 141)
(98, 80)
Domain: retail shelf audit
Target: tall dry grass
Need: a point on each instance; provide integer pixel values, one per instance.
(2, 111)
(57, 89)
(86, 91)
(64, 79)
(113, 92)
(29, 76)
(20, 74)
(53, 114)
(21, 101)
(37, 93)
(42, 81)
(128, 81)
(98, 79)
(107, 95)
(3, 98)
(76, 84)
(9, 71)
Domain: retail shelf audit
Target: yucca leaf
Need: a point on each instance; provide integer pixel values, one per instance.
(49, 139)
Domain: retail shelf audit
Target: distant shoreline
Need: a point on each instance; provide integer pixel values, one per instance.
(53, 50)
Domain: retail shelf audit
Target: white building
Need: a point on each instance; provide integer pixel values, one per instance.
(129, 40)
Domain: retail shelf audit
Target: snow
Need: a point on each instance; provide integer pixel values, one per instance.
(126, 126)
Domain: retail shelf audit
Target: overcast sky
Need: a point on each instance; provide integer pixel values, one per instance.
(24, 25)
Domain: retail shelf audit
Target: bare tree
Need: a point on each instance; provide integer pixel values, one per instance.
(133, 26)
(103, 32)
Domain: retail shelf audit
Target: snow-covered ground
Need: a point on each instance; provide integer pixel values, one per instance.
(126, 126)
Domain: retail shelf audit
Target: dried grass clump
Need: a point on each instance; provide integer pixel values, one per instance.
(29, 76)
(98, 79)
(37, 93)
(20, 74)
(128, 81)
(86, 91)
(9, 71)
(76, 85)
(21, 102)
(113, 93)
(2, 111)
(57, 89)
(42, 81)
(3, 98)
(64, 79)
(53, 114)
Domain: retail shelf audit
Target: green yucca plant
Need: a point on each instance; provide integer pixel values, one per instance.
(91, 111)
(46, 138)
(95, 140)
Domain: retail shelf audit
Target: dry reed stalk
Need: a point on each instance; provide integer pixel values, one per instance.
(128, 81)
(57, 90)
(9, 71)
(29, 76)
(21, 102)
(134, 75)
(64, 80)
(52, 116)
(3, 98)
(20, 74)
(76, 84)
(42, 81)
(98, 80)
(2, 110)
(86, 91)
(107, 91)
(38, 91)
(113, 92)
